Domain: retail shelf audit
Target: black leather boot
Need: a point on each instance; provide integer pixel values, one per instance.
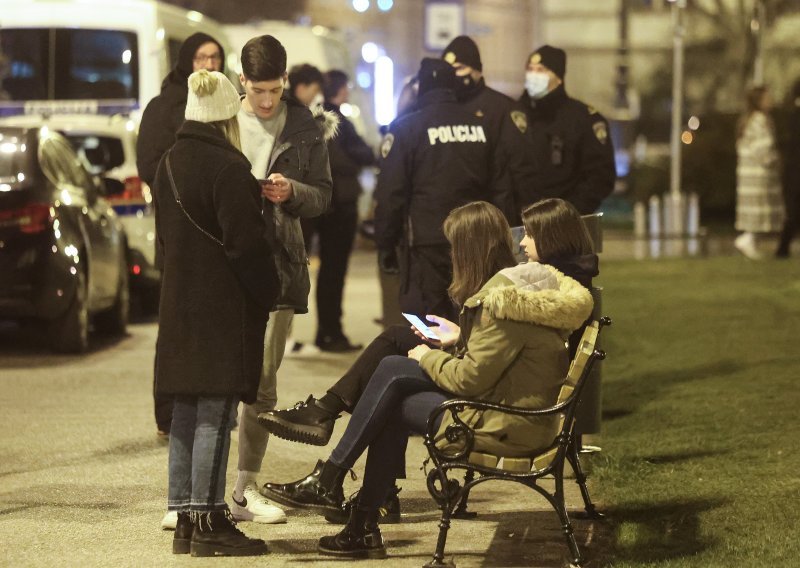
(215, 534)
(183, 534)
(307, 423)
(360, 538)
(309, 492)
(389, 511)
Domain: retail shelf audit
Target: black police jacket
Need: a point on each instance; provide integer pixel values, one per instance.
(507, 123)
(573, 151)
(348, 154)
(434, 159)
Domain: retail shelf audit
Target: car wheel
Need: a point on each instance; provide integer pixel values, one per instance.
(70, 332)
(114, 320)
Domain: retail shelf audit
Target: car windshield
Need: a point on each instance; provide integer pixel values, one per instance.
(14, 162)
(63, 64)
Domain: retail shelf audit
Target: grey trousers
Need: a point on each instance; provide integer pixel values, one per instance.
(253, 437)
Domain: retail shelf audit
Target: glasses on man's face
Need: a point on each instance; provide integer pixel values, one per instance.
(216, 58)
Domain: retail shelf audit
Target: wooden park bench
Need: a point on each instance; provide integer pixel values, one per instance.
(451, 496)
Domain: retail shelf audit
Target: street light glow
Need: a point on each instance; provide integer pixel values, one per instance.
(385, 5)
(384, 90)
(370, 52)
(361, 5)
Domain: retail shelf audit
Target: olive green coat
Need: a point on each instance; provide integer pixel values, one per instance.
(513, 352)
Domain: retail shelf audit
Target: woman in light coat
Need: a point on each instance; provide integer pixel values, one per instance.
(759, 197)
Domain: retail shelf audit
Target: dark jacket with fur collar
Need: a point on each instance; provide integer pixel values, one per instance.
(512, 351)
(217, 288)
(301, 155)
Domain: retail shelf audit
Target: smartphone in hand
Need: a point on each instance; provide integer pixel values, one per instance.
(421, 326)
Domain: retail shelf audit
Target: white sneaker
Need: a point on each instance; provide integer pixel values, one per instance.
(169, 521)
(255, 507)
(745, 244)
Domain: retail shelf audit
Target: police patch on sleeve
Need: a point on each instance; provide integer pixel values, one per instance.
(520, 120)
(600, 131)
(386, 144)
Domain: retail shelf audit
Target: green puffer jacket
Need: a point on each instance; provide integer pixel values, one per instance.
(512, 351)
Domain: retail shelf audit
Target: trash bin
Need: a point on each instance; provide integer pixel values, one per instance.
(589, 413)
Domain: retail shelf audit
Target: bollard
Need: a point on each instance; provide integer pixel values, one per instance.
(588, 414)
(639, 219)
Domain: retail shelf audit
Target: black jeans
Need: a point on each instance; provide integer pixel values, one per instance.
(394, 340)
(398, 400)
(337, 231)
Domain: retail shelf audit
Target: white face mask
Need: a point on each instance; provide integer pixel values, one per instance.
(536, 84)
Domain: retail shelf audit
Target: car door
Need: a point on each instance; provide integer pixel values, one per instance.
(97, 221)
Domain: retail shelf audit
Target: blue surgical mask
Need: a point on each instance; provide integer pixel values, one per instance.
(536, 84)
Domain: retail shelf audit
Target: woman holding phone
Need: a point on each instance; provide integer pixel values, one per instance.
(508, 348)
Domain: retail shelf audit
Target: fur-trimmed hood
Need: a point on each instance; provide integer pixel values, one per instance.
(328, 121)
(536, 293)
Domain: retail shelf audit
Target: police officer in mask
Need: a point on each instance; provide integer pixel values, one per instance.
(571, 143)
(434, 159)
(504, 119)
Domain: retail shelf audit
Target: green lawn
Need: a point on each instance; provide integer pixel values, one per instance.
(700, 463)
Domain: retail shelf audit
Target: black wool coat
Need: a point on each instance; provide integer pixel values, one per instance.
(219, 283)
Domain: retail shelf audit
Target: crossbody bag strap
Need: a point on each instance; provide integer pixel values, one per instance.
(180, 203)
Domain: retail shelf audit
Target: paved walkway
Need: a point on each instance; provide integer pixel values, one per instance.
(84, 476)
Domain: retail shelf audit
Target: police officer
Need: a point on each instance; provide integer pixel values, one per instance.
(504, 119)
(572, 148)
(434, 159)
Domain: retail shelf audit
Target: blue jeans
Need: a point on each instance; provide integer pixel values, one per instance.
(199, 441)
(397, 400)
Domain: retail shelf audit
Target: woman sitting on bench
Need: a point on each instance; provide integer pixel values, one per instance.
(509, 349)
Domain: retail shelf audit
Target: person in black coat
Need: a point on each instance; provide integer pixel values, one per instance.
(434, 159)
(504, 119)
(219, 285)
(160, 122)
(791, 177)
(163, 115)
(336, 228)
(572, 146)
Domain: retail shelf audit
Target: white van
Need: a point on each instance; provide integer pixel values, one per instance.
(319, 46)
(92, 56)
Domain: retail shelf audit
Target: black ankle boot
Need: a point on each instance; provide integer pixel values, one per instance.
(307, 423)
(389, 511)
(215, 534)
(310, 492)
(183, 534)
(360, 538)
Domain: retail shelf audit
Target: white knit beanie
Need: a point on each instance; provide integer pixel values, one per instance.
(212, 97)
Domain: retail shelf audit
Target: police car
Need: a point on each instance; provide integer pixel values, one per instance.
(107, 147)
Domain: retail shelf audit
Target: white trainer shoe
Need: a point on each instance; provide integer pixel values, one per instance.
(169, 521)
(255, 507)
(746, 244)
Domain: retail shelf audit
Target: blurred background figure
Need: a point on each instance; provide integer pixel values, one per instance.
(305, 84)
(759, 202)
(161, 120)
(572, 146)
(337, 227)
(791, 176)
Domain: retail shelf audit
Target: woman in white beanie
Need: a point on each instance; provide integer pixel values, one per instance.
(219, 284)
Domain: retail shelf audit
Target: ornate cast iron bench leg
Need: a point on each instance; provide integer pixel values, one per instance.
(591, 511)
(461, 509)
(566, 526)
